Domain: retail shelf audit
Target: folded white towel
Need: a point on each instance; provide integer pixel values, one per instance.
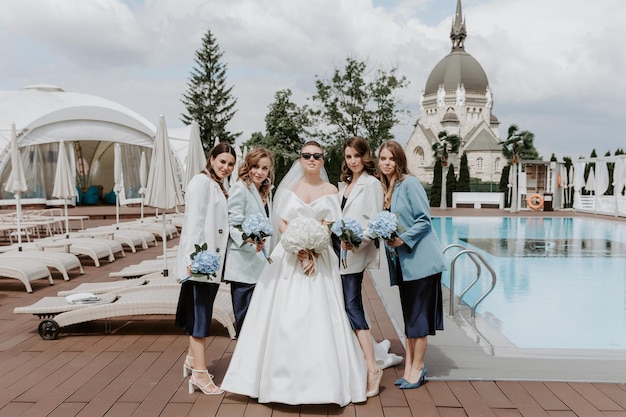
(82, 297)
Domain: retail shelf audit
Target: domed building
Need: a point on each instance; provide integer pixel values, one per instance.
(457, 99)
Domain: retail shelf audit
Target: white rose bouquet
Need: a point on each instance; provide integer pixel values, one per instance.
(257, 227)
(350, 231)
(308, 235)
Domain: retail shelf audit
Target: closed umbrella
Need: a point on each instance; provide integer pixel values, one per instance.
(64, 186)
(239, 156)
(143, 179)
(118, 178)
(16, 183)
(196, 159)
(163, 188)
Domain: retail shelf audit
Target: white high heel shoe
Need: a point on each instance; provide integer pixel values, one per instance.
(193, 384)
(187, 366)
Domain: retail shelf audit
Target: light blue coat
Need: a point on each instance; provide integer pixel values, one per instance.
(421, 254)
(365, 199)
(243, 263)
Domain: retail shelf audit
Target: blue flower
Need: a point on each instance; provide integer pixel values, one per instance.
(256, 226)
(383, 225)
(348, 230)
(205, 263)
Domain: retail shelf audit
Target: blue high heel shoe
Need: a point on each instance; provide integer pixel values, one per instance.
(420, 380)
(400, 381)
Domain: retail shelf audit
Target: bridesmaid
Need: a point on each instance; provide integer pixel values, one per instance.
(205, 221)
(244, 260)
(361, 196)
(414, 258)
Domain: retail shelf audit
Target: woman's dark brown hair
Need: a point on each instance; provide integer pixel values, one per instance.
(399, 158)
(362, 148)
(220, 148)
(250, 161)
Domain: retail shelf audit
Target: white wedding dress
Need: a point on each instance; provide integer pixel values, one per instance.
(296, 345)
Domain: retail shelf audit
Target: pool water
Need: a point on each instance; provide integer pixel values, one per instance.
(561, 282)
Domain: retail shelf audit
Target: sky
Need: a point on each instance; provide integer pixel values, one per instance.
(556, 67)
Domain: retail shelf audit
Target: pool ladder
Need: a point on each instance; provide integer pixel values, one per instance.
(477, 259)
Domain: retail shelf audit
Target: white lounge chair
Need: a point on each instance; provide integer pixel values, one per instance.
(60, 261)
(57, 312)
(129, 237)
(93, 248)
(24, 270)
(143, 268)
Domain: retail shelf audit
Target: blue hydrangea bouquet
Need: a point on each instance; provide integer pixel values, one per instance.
(383, 225)
(349, 231)
(204, 263)
(257, 227)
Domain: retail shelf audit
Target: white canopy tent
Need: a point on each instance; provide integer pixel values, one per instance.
(44, 115)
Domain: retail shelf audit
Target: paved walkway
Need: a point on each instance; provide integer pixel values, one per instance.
(135, 370)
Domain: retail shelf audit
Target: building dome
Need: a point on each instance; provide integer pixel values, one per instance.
(493, 119)
(450, 116)
(458, 67)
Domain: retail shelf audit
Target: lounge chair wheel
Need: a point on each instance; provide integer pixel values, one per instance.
(48, 330)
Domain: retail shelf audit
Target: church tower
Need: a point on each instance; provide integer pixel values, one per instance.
(457, 98)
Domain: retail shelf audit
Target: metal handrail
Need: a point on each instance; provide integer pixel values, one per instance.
(473, 255)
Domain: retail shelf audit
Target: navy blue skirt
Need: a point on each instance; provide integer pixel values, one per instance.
(422, 306)
(353, 300)
(195, 307)
(240, 295)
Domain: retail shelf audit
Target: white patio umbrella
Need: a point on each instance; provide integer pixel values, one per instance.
(163, 188)
(591, 181)
(64, 186)
(196, 159)
(143, 179)
(239, 155)
(16, 183)
(118, 178)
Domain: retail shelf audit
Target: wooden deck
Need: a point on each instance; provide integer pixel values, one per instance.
(135, 370)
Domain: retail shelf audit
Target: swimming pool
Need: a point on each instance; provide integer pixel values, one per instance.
(561, 281)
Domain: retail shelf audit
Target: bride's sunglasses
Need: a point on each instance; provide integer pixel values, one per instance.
(316, 156)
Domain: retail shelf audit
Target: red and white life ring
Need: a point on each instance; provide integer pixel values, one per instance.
(535, 201)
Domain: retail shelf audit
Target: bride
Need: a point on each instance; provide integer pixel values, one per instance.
(296, 345)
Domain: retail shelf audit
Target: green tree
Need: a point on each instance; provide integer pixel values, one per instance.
(435, 190)
(518, 145)
(451, 185)
(285, 126)
(464, 175)
(357, 102)
(504, 185)
(208, 100)
(447, 144)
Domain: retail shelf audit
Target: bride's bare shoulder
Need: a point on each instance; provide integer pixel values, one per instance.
(329, 188)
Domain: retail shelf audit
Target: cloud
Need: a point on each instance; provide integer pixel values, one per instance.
(555, 67)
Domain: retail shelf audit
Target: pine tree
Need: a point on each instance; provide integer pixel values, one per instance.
(451, 185)
(435, 190)
(208, 101)
(464, 175)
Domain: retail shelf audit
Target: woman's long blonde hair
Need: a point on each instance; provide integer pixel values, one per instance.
(399, 158)
(251, 159)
